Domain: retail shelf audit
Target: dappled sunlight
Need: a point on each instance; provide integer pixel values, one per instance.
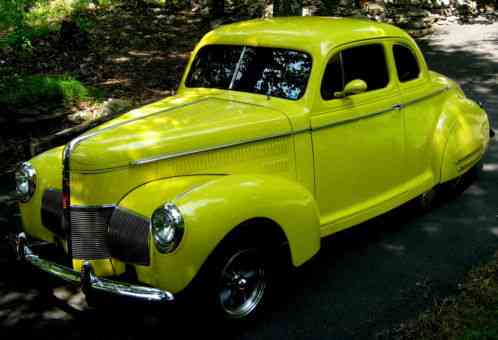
(115, 82)
(475, 190)
(74, 297)
(490, 167)
(120, 60)
(147, 54)
(468, 59)
(14, 297)
(17, 307)
(396, 249)
(432, 228)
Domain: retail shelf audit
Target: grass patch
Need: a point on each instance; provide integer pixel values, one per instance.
(21, 24)
(27, 91)
(470, 315)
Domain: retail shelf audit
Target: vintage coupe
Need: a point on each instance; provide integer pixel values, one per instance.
(283, 131)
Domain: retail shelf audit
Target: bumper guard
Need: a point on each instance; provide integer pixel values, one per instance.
(87, 279)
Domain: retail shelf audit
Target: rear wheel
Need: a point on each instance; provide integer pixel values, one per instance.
(428, 199)
(458, 185)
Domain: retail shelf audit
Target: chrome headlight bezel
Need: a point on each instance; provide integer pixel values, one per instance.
(167, 227)
(25, 177)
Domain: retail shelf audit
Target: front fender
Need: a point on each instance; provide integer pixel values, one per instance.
(213, 208)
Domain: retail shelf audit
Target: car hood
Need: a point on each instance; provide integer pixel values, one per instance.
(174, 127)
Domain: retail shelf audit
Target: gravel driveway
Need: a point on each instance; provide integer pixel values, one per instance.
(364, 280)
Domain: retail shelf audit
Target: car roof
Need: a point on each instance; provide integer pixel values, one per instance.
(309, 33)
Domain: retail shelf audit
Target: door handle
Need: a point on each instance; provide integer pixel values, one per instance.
(397, 107)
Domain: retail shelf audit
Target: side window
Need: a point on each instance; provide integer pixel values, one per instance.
(367, 62)
(406, 63)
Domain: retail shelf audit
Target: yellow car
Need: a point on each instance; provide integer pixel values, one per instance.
(283, 131)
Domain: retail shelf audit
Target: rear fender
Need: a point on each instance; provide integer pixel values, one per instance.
(467, 139)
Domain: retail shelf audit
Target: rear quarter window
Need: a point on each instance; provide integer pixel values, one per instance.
(406, 63)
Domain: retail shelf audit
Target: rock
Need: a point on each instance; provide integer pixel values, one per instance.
(357, 13)
(401, 20)
(307, 11)
(194, 21)
(417, 23)
(378, 18)
(417, 33)
(375, 9)
(418, 12)
(215, 23)
(205, 11)
(115, 106)
(268, 12)
(489, 8)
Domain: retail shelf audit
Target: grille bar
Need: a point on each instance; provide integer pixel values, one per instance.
(99, 232)
(88, 232)
(128, 237)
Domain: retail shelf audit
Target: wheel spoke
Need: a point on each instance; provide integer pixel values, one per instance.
(250, 275)
(226, 294)
(242, 283)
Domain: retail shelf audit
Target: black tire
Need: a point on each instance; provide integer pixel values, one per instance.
(458, 185)
(428, 200)
(237, 281)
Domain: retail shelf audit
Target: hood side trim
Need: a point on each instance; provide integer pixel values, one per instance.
(212, 148)
(66, 164)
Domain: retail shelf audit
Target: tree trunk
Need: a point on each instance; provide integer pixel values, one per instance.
(287, 8)
(217, 9)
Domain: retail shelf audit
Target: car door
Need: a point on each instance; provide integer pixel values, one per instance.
(358, 140)
(421, 106)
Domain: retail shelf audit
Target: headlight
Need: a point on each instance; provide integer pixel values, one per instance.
(167, 227)
(25, 182)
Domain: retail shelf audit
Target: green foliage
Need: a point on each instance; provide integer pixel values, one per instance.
(21, 21)
(23, 92)
(488, 332)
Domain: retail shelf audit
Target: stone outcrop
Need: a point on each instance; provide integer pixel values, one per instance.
(417, 17)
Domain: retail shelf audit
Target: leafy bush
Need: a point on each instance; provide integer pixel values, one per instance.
(22, 92)
(23, 20)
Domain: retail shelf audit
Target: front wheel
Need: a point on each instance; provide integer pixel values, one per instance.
(242, 283)
(236, 282)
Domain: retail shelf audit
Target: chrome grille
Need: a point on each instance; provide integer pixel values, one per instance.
(88, 232)
(51, 211)
(128, 237)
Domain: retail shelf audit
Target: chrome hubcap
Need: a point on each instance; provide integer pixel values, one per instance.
(242, 283)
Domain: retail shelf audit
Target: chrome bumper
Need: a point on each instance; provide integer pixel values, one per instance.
(87, 279)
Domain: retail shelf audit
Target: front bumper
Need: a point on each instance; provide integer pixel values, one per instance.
(87, 279)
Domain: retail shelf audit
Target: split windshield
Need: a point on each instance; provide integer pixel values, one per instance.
(270, 71)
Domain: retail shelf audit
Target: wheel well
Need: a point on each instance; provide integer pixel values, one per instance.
(274, 236)
(263, 231)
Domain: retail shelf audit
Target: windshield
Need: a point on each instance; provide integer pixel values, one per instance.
(271, 71)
